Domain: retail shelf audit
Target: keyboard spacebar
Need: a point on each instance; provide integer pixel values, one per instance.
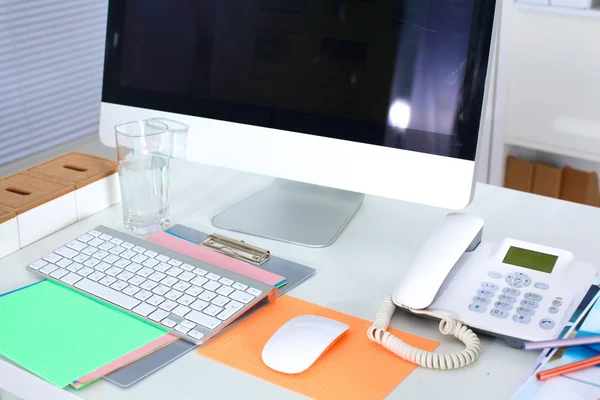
(107, 294)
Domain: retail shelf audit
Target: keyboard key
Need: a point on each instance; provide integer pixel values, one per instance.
(181, 311)
(116, 241)
(151, 262)
(225, 290)
(131, 290)
(119, 285)
(66, 252)
(127, 245)
(106, 246)
(207, 296)
(125, 275)
(133, 267)
(111, 258)
(198, 281)
(162, 258)
(96, 276)
(80, 258)
(150, 253)
(187, 324)
(213, 277)
(212, 310)
(71, 278)
(234, 305)
(181, 286)
(148, 285)
(85, 271)
(220, 301)
(158, 315)
(174, 271)
(169, 281)
(182, 329)
(194, 291)
(139, 249)
(157, 276)
(160, 290)
(136, 280)
(53, 258)
(91, 262)
(102, 267)
(226, 314)
(176, 263)
(211, 285)
(89, 250)
(162, 267)
(108, 294)
(253, 291)
(173, 294)
(108, 280)
(95, 242)
(76, 245)
(155, 300)
(145, 272)
(105, 236)
(186, 276)
(143, 295)
(199, 271)
(226, 281)
(59, 273)
(139, 259)
(38, 264)
(85, 238)
(117, 250)
(241, 297)
(100, 254)
(169, 323)
(113, 271)
(144, 309)
(186, 300)
(199, 305)
(195, 334)
(74, 267)
(64, 263)
(203, 319)
(168, 305)
(127, 254)
(95, 233)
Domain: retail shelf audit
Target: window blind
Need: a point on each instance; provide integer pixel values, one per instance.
(51, 61)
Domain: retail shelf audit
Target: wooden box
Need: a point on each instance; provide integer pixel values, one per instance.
(42, 206)
(96, 180)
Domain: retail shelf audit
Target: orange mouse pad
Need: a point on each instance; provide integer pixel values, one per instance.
(353, 368)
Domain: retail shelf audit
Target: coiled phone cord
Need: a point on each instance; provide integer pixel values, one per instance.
(378, 333)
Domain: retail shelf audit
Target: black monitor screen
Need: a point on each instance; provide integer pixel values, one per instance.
(407, 74)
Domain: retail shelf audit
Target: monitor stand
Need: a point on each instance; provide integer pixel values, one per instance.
(293, 212)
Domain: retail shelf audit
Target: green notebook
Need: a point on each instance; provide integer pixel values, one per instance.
(62, 335)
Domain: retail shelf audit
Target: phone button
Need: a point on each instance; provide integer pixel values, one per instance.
(530, 304)
(541, 285)
(533, 296)
(503, 306)
(499, 313)
(507, 299)
(522, 319)
(481, 300)
(511, 292)
(547, 323)
(477, 308)
(525, 311)
(553, 310)
(485, 293)
(489, 286)
(556, 303)
(495, 275)
(514, 284)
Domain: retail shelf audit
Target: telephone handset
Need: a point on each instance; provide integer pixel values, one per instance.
(463, 281)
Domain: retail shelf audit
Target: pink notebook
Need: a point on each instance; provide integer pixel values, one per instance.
(207, 255)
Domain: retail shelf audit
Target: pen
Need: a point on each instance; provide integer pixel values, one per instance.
(565, 369)
(554, 344)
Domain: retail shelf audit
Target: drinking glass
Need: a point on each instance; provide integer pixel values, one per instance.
(179, 134)
(143, 150)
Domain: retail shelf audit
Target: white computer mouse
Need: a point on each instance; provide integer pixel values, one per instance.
(300, 342)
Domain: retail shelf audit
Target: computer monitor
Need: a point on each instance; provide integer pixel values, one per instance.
(336, 98)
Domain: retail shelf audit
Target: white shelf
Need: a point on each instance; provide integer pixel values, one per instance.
(549, 148)
(592, 13)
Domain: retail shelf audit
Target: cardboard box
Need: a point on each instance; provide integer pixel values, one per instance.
(42, 206)
(519, 174)
(580, 187)
(96, 180)
(9, 232)
(547, 180)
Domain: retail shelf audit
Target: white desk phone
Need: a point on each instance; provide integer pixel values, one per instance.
(514, 290)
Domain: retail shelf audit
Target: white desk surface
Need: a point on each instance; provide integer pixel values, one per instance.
(353, 276)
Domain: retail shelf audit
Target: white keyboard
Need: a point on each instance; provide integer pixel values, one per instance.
(192, 299)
